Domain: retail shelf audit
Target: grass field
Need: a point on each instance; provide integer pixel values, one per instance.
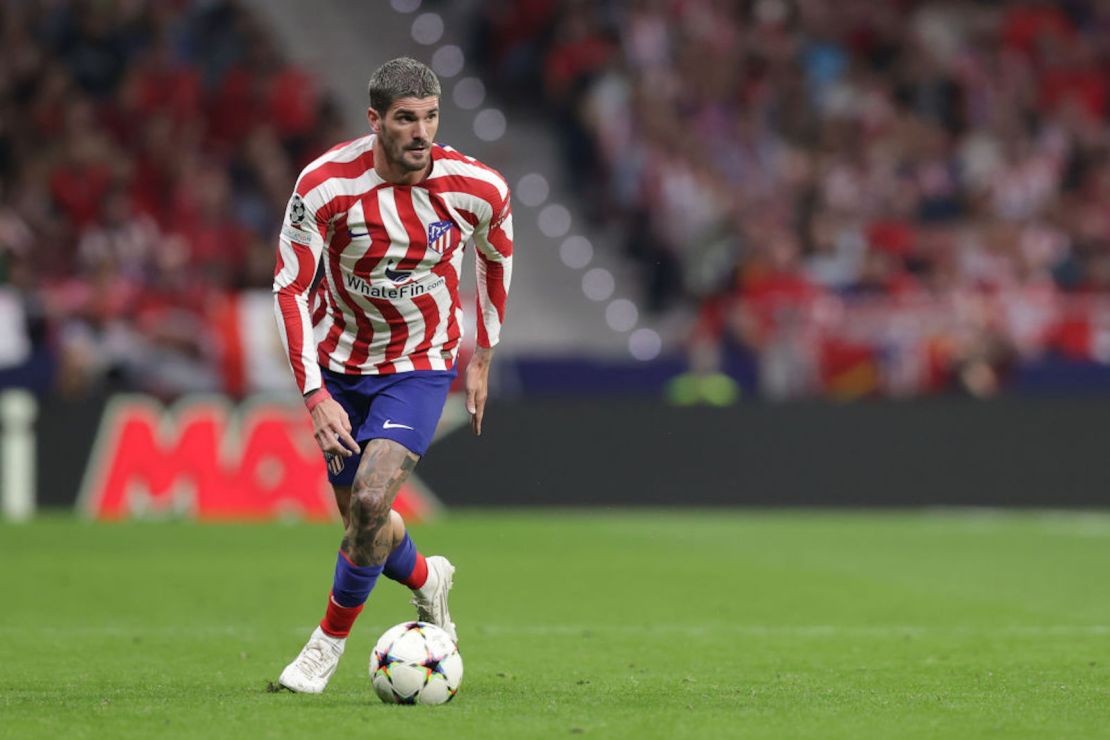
(651, 625)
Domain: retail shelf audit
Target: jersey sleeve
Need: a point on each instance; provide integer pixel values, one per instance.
(300, 247)
(494, 242)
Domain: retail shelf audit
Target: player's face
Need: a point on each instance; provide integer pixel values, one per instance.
(407, 131)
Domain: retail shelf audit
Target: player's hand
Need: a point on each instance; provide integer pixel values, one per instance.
(332, 430)
(477, 386)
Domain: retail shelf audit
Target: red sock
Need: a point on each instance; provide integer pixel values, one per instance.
(419, 575)
(338, 619)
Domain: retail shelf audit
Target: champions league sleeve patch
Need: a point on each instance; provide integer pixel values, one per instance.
(298, 227)
(297, 210)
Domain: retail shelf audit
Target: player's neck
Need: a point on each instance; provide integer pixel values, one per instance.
(392, 172)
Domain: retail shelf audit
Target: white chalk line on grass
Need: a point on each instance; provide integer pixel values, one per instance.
(811, 630)
(587, 630)
(1052, 521)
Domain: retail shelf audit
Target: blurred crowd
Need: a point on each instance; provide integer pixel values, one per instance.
(833, 184)
(147, 150)
(850, 197)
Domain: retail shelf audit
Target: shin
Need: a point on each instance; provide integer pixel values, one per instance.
(371, 528)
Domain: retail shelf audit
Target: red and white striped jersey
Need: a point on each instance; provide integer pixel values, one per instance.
(367, 276)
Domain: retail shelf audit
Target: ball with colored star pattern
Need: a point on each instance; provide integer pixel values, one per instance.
(416, 663)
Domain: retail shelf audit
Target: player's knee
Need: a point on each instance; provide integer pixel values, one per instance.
(385, 465)
(372, 504)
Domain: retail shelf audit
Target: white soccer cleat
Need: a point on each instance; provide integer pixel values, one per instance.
(430, 599)
(309, 673)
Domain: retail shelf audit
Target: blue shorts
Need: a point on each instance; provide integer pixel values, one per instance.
(404, 407)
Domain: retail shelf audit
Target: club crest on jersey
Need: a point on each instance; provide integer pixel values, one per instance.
(439, 236)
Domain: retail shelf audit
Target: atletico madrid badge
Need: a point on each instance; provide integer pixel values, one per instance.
(439, 236)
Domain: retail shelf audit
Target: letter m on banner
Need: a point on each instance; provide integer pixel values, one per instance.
(206, 458)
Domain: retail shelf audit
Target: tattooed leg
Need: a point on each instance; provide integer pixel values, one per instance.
(343, 503)
(368, 538)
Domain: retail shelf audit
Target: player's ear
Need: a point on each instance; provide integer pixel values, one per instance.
(373, 119)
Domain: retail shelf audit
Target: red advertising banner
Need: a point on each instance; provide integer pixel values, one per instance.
(214, 460)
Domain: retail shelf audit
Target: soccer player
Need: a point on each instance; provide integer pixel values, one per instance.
(367, 301)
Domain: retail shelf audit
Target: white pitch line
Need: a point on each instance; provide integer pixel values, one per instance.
(581, 630)
(813, 630)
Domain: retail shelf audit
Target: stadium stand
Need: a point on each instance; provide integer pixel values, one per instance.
(860, 197)
(146, 153)
(896, 198)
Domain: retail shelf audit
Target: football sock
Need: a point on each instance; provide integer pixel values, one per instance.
(350, 589)
(406, 565)
(338, 619)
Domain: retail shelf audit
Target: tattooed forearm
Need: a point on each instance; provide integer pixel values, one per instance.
(385, 466)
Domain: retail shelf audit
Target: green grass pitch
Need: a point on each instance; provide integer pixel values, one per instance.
(611, 624)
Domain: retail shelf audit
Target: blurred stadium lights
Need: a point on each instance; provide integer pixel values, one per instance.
(598, 284)
(621, 315)
(448, 60)
(468, 93)
(489, 124)
(645, 344)
(532, 190)
(576, 252)
(554, 220)
(427, 28)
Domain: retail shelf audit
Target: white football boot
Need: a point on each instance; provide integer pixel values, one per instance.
(309, 673)
(430, 599)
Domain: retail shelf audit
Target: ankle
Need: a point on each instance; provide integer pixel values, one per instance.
(421, 574)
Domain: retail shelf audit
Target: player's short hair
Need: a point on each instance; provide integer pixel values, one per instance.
(402, 77)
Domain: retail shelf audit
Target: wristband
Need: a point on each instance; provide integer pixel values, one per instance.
(316, 398)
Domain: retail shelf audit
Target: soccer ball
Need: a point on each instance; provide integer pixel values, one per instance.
(416, 663)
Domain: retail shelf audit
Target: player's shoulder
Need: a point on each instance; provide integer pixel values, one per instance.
(347, 160)
(451, 162)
